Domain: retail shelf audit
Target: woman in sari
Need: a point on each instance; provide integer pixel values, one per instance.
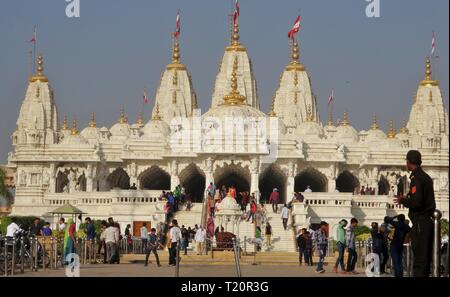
(69, 239)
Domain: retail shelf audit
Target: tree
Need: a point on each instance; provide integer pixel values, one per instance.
(3, 191)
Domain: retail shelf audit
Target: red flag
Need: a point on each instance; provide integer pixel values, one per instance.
(295, 28)
(236, 11)
(145, 97)
(34, 38)
(178, 26)
(331, 97)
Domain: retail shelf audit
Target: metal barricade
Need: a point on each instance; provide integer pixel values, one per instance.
(177, 260)
(237, 257)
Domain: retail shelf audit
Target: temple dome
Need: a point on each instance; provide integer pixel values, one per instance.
(74, 140)
(156, 129)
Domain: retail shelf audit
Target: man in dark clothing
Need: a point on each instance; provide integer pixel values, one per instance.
(377, 242)
(301, 244)
(421, 203)
(401, 229)
(384, 232)
(35, 229)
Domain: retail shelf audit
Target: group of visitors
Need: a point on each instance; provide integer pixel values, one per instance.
(366, 190)
(346, 240)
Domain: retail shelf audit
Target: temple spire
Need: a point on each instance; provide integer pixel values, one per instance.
(65, 124)
(345, 121)
(176, 64)
(234, 97)
(330, 119)
(157, 116)
(295, 65)
(74, 126)
(40, 71)
(404, 129)
(92, 123)
(392, 132)
(122, 118)
(272, 111)
(140, 120)
(374, 123)
(428, 75)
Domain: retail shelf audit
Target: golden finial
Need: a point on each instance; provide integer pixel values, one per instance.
(40, 71)
(404, 129)
(272, 111)
(174, 97)
(295, 78)
(176, 57)
(157, 117)
(392, 132)
(428, 77)
(175, 78)
(345, 121)
(65, 125)
(122, 118)
(74, 126)
(295, 65)
(234, 97)
(430, 97)
(309, 114)
(330, 119)
(140, 120)
(92, 123)
(235, 43)
(374, 123)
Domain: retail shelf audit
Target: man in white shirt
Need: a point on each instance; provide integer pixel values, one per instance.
(200, 237)
(12, 228)
(111, 240)
(62, 225)
(285, 216)
(144, 235)
(175, 237)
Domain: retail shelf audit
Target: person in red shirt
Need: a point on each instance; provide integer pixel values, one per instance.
(274, 199)
(252, 211)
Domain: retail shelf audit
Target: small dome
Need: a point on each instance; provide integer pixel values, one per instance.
(228, 206)
(156, 129)
(74, 140)
(374, 135)
(233, 111)
(346, 134)
(90, 133)
(120, 131)
(310, 129)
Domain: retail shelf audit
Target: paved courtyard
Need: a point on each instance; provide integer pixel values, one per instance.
(139, 270)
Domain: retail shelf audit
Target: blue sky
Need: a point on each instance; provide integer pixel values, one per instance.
(105, 58)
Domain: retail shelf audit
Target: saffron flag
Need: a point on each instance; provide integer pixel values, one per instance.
(236, 11)
(295, 28)
(330, 98)
(433, 44)
(178, 26)
(145, 97)
(34, 38)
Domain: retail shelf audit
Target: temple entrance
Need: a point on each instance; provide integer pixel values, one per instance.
(118, 179)
(310, 177)
(272, 177)
(193, 180)
(62, 182)
(346, 182)
(383, 186)
(154, 178)
(233, 175)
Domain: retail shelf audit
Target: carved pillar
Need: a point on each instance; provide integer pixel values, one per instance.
(89, 178)
(174, 179)
(290, 182)
(332, 178)
(209, 176)
(132, 169)
(254, 171)
(52, 183)
(374, 179)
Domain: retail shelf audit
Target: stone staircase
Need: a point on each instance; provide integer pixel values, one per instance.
(282, 240)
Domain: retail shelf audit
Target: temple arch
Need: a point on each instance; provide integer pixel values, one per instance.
(273, 177)
(233, 175)
(346, 182)
(383, 186)
(119, 178)
(193, 180)
(312, 177)
(82, 183)
(154, 178)
(62, 181)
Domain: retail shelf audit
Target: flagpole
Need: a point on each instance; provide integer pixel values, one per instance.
(30, 56)
(34, 49)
